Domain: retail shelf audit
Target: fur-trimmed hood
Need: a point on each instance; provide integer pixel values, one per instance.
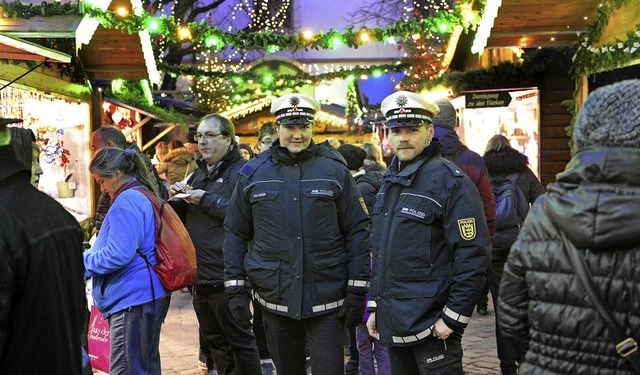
(180, 155)
(505, 162)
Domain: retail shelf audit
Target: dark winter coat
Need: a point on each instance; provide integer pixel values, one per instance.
(205, 221)
(309, 229)
(177, 164)
(473, 166)
(431, 249)
(542, 305)
(500, 164)
(43, 307)
(368, 183)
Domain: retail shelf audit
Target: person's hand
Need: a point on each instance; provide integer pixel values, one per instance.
(194, 196)
(239, 307)
(179, 187)
(441, 330)
(371, 326)
(352, 309)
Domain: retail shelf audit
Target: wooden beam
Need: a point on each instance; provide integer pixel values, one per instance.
(157, 137)
(41, 27)
(138, 126)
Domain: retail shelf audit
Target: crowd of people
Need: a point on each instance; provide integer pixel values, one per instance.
(301, 245)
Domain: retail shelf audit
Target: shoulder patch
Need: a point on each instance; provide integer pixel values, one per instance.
(455, 170)
(247, 170)
(249, 167)
(467, 228)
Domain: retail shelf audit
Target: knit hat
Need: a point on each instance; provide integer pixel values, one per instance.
(294, 109)
(610, 116)
(404, 108)
(353, 155)
(447, 116)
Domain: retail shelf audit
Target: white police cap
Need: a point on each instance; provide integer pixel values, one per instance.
(404, 108)
(294, 109)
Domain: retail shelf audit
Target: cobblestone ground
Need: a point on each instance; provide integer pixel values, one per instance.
(179, 341)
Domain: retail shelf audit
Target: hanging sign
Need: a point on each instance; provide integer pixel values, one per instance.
(487, 99)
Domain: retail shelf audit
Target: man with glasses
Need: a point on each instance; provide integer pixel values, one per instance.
(266, 136)
(203, 202)
(308, 263)
(431, 246)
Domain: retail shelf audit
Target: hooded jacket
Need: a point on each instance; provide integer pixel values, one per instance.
(500, 164)
(43, 308)
(473, 166)
(505, 162)
(542, 304)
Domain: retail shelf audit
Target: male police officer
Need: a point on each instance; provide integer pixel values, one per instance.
(431, 247)
(308, 264)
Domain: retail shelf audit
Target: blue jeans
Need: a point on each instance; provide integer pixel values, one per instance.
(369, 349)
(135, 338)
(429, 357)
(287, 338)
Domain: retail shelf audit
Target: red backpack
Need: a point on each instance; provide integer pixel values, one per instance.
(175, 253)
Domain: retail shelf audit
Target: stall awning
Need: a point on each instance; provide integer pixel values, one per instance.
(19, 49)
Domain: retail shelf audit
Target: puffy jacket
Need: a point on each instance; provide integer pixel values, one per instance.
(500, 164)
(430, 248)
(473, 166)
(309, 228)
(205, 221)
(542, 305)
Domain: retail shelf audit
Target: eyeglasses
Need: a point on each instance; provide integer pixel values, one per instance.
(206, 136)
(266, 143)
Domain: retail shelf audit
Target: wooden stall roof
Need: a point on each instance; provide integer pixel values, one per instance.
(541, 23)
(18, 49)
(112, 54)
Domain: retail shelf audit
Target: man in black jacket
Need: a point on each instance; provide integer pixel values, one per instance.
(309, 259)
(42, 301)
(431, 247)
(203, 202)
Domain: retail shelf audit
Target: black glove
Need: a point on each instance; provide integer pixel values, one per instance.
(352, 309)
(239, 307)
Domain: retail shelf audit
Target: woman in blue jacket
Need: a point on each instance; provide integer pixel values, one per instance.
(125, 290)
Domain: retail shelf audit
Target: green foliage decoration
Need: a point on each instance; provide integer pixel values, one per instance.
(204, 36)
(131, 92)
(589, 59)
(18, 9)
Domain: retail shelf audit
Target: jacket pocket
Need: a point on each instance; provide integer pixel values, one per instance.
(320, 189)
(413, 306)
(264, 276)
(256, 195)
(330, 276)
(420, 208)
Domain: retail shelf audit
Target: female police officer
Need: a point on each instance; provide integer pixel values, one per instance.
(308, 264)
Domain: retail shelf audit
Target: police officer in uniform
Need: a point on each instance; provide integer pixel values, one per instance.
(431, 247)
(309, 258)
